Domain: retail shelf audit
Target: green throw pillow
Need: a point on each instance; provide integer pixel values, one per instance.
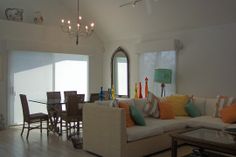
(137, 116)
(192, 110)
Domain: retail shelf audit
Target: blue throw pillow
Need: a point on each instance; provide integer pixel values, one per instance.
(192, 110)
(137, 116)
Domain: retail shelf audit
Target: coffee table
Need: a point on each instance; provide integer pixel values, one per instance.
(205, 138)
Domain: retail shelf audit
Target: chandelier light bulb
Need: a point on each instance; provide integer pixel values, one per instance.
(62, 21)
(80, 17)
(68, 22)
(69, 28)
(92, 25)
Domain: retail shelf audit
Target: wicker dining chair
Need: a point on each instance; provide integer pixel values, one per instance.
(94, 97)
(32, 118)
(55, 110)
(73, 114)
(68, 93)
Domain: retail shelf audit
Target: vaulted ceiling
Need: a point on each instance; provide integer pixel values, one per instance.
(148, 17)
(155, 16)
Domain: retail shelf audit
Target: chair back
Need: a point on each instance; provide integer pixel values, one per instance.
(25, 107)
(81, 96)
(68, 93)
(72, 105)
(53, 95)
(94, 97)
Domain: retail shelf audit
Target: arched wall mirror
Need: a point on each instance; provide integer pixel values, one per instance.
(120, 72)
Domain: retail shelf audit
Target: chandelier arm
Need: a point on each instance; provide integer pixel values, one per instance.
(78, 10)
(77, 32)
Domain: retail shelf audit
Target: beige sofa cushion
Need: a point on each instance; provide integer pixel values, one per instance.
(179, 122)
(200, 103)
(210, 107)
(155, 127)
(139, 132)
(207, 121)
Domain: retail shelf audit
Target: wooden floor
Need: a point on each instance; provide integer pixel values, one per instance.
(13, 145)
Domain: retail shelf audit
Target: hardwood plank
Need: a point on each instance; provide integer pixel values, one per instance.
(13, 145)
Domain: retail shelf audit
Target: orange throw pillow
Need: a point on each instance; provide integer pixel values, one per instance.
(166, 111)
(129, 120)
(228, 114)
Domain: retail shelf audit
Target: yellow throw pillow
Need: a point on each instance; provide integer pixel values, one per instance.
(178, 103)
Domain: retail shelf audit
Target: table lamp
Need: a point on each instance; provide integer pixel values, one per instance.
(163, 76)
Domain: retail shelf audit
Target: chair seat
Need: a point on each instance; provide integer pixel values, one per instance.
(32, 118)
(36, 117)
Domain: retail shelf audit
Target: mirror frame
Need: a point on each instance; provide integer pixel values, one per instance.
(120, 49)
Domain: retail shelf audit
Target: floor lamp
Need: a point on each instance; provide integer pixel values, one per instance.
(163, 76)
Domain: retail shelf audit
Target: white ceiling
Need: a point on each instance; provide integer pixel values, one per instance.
(154, 16)
(147, 18)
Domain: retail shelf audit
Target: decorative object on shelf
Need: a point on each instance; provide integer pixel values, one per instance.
(38, 18)
(146, 87)
(136, 91)
(140, 91)
(131, 2)
(113, 93)
(14, 14)
(101, 94)
(79, 30)
(163, 76)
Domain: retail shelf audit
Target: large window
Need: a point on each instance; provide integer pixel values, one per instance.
(71, 73)
(35, 73)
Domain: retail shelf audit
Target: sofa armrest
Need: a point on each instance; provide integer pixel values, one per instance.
(104, 131)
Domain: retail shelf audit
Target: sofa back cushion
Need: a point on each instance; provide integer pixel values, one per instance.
(178, 103)
(210, 107)
(200, 103)
(128, 119)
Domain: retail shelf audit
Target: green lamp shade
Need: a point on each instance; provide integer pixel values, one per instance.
(163, 75)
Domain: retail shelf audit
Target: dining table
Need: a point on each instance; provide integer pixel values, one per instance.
(52, 105)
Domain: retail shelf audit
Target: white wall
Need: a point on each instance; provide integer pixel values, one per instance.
(3, 82)
(205, 67)
(19, 36)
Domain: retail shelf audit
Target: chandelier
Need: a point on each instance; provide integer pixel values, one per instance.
(79, 30)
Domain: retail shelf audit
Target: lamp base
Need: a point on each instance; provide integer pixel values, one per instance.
(163, 89)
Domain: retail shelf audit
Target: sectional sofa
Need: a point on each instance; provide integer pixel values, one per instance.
(105, 132)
